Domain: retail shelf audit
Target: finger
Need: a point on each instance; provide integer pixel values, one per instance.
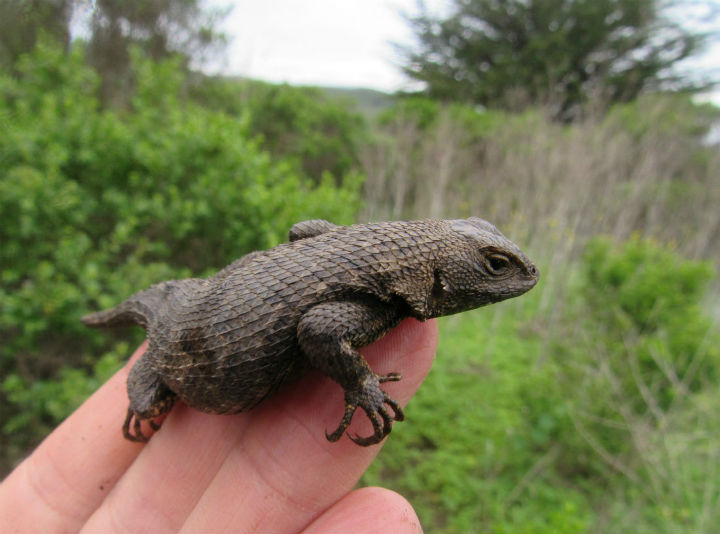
(66, 478)
(368, 510)
(211, 467)
(283, 472)
(171, 473)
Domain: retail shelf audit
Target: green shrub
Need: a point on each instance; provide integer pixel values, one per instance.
(644, 306)
(474, 122)
(97, 204)
(315, 131)
(648, 358)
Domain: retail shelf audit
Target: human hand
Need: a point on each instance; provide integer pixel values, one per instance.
(269, 470)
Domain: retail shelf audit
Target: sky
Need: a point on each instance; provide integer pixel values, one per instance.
(347, 43)
(337, 43)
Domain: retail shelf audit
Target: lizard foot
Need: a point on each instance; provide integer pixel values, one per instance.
(372, 400)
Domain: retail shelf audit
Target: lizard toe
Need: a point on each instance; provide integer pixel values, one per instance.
(373, 400)
(347, 417)
(390, 377)
(136, 435)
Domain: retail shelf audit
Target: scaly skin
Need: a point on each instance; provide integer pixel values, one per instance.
(225, 343)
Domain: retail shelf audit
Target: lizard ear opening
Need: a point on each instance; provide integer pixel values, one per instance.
(425, 304)
(439, 287)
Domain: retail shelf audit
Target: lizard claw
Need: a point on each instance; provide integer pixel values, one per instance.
(349, 411)
(390, 377)
(372, 400)
(137, 434)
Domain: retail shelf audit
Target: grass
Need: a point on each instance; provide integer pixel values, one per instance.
(481, 431)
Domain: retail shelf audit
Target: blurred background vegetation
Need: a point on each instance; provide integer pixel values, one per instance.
(589, 405)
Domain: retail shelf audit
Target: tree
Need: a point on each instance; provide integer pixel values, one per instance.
(160, 27)
(21, 21)
(513, 53)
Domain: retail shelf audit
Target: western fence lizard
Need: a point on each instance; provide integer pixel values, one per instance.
(225, 343)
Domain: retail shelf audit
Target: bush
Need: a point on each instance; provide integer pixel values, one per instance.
(318, 133)
(97, 204)
(643, 308)
(646, 357)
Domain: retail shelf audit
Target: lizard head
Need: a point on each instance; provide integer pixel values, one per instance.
(478, 267)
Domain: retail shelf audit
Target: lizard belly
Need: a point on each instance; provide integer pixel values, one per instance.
(228, 367)
(231, 382)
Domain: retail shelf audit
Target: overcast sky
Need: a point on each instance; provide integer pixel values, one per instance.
(343, 43)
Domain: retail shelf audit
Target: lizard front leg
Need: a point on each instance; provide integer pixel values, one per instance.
(329, 335)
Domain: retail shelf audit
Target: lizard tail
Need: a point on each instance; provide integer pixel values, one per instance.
(127, 313)
(136, 310)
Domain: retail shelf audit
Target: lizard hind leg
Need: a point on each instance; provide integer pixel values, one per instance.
(149, 398)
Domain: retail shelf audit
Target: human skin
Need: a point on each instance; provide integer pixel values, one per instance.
(269, 470)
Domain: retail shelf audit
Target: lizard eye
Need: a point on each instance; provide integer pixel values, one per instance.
(497, 264)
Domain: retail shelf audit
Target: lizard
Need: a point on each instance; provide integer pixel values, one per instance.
(225, 343)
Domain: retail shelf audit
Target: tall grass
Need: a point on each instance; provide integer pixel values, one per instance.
(642, 168)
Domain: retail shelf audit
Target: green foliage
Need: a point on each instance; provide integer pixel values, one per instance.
(653, 332)
(317, 132)
(183, 29)
(425, 112)
(97, 204)
(642, 286)
(517, 53)
(654, 358)
(666, 114)
(47, 402)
